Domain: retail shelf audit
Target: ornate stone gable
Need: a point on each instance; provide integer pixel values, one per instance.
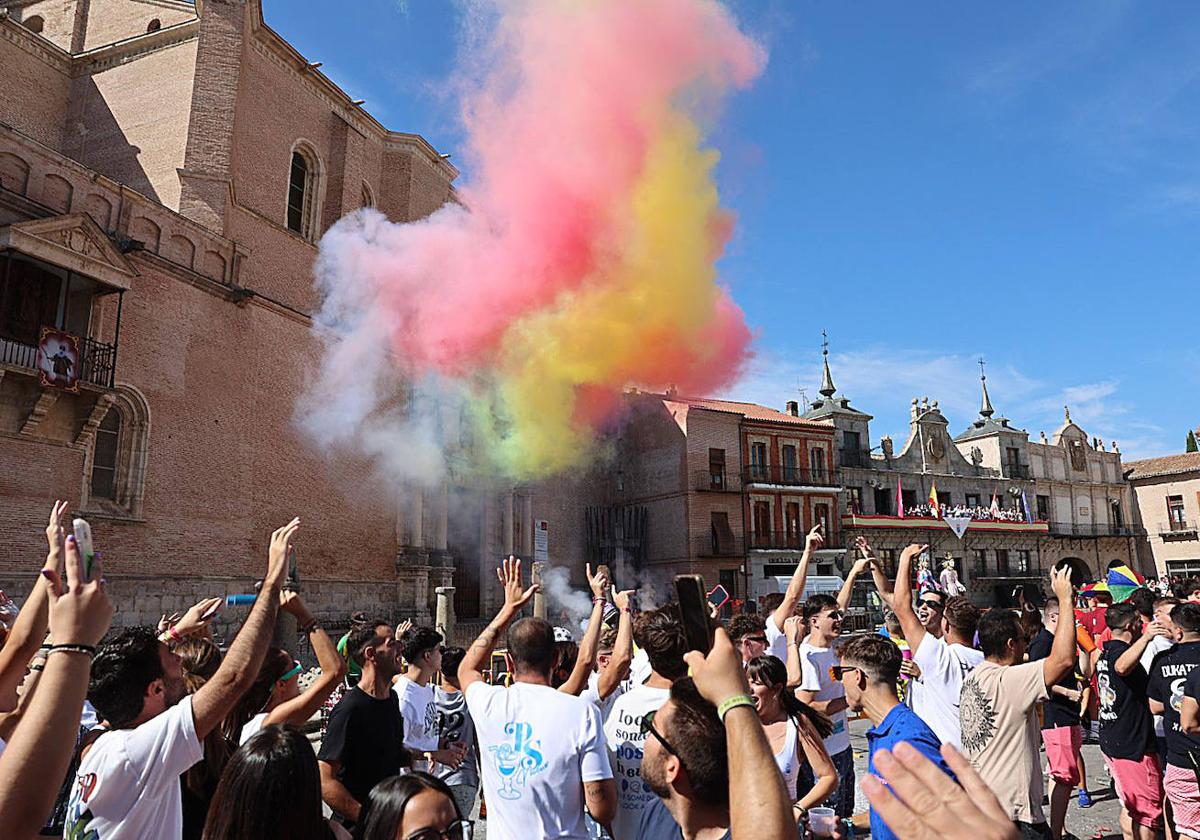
(72, 241)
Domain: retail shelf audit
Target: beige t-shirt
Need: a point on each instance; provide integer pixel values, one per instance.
(1000, 733)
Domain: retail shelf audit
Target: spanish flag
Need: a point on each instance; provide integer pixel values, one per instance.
(933, 502)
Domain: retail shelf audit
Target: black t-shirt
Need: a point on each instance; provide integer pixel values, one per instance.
(1126, 728)
(1168, 677)
(367, 737)
(1058, 710)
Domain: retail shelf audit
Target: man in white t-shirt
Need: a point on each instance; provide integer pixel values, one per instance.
(542, 751)
(776, 640)
(818, 688)
(659, 633)
(422, 649)
(127, 785)
(614, 655)
(942, 664)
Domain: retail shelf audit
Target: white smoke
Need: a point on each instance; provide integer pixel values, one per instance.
(561, 598)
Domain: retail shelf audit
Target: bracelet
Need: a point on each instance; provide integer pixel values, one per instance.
(310, 627)
(626, 609)
(599, 599)
(174, 634)
(37, 667)
(732, 703)
(90, 650)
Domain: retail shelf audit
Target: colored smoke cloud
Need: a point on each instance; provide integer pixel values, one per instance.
(578, 261)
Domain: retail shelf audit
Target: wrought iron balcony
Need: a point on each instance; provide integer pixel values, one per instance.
(98, 361)
(717, 481)
(1179, 529)
(854, 457)
(1076, 529)
(1017, 471)
(789, 476)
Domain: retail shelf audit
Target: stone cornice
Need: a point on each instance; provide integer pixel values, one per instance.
(270, 44)
(34, 44)
(102, 58)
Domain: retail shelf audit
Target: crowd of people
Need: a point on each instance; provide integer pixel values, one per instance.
(632, 733)
(976, 512)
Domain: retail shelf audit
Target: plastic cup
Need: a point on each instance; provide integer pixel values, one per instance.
(822, 821)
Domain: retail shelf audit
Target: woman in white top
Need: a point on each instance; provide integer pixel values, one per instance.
(795, 730)
(275, 697)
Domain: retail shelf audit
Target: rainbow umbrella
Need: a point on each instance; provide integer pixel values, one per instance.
(1123, 582)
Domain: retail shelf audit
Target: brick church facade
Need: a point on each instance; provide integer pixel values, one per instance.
(166, 169)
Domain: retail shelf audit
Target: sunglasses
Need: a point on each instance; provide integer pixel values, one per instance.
(647, 727)
(933, 605)
(839, 671)
(293, 671)
(461, 830)
(836, 615)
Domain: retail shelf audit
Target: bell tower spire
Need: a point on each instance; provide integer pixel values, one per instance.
(827, 389)
(985, 410)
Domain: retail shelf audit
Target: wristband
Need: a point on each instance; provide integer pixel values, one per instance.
(310, 627)
(599, 599)
(732, 703)
(90, 650)
(37, 667)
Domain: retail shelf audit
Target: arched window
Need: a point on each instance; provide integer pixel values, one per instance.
(104, 456)
(304, 191)
(34, 23)
(154, 25)
(116, 468)
(368, 199)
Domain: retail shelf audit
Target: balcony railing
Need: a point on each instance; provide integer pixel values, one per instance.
(1177, 528)
(718, 481)
(787, 540)
(98, 361)
(1017, 471)
(854, 457)
(789, 476)
(705, 546)
(1075, 529)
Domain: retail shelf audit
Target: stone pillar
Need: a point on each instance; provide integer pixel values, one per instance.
(444, 622)
(509, 515)
(417, 518)
(539, 598)
(527, 526)
(442, 521)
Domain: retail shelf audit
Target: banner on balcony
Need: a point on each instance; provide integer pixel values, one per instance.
(58, 360)
(958, 524)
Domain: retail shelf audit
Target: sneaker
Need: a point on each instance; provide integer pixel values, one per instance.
(1085, 799)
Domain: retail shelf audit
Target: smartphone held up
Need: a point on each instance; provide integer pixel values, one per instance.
(694, 611)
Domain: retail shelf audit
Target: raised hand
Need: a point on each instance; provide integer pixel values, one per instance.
(815, 538)
(403, 627)
(622, 599)
(197, 616)
(912, 551)
(1060, 582)
(793, 628)
(515, 596)
(719, 675)
(861, 565)
(289, 602)
(55, 532)
(928, 804)
(277, 562)
(81, 615)
(598, 582)
(862, 545)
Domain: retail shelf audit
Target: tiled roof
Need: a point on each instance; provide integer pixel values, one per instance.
(751, 411)
(1168, 465)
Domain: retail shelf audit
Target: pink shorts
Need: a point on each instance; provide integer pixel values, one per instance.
(1139, 787)
(1180, 786)
(1062, 751)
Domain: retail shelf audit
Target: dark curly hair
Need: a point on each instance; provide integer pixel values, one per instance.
(660, 633)
(123, 668)
(745, 624)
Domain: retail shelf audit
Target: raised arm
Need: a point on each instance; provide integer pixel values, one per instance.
(333, 668)
(882, 584)
(622, 655)
(585, 662)
(795, 589)
(479, 654)
(843, 599)
(29, 629)
(217, 697)
(793, 631)
(914, 630)
(759, 806)
(1062, 652)
(40, 750)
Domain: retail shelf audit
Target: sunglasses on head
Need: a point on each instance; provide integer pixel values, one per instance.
(838, 671)
(461, 830)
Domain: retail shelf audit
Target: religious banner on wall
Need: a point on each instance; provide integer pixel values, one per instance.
(58, 360)
(958, 524)
(541, 541)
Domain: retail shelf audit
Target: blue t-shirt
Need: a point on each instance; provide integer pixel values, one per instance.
(901, 724)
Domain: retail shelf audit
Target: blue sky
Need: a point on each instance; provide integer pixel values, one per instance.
(929, 183)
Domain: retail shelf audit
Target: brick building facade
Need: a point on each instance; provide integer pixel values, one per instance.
(165, 170)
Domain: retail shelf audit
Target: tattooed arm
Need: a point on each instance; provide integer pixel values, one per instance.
(479, 654)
